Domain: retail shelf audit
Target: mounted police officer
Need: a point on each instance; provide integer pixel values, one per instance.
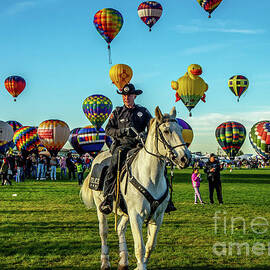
(124, 125)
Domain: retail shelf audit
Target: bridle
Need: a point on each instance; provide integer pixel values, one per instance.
(159, 137)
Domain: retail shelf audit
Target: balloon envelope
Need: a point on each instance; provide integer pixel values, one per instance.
(26, 139)
(6, 133)
(150, 12)
(97, 108)
(108, 23)
(231, 136)
(238, 84)
(187, 132)
(73, 140)
(209, 5)
(53, 134)
(91, 141)
(120, 75)
(15, 85)
(15, 125)
(259, 137)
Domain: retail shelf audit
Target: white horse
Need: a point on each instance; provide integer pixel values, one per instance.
(164, 142)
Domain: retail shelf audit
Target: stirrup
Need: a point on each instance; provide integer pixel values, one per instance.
(170, 207)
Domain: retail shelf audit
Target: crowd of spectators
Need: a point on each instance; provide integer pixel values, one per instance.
(42, 167)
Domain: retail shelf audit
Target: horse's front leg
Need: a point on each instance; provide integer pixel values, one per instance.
(103, 232)
(152, 231)
(123, 252)
(136, 222)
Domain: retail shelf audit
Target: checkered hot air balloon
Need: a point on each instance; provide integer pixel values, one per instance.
(15, 125)
(108, 23)
(26, 139)
(187, 132)
(231, 136)
(150, 12)
(53, 134)
(15, 85)
(91, 141)
(97, 108)
(259, 137)
(238, 85)
(209, 5)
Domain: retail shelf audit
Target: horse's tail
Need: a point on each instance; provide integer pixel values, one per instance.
(86, 193)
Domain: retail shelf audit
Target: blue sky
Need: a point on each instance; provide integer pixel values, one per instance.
(54, 45)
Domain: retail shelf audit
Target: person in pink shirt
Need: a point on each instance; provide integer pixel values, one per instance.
(196, 181)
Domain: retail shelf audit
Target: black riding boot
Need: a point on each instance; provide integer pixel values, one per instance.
(106, 206)
(170, 207)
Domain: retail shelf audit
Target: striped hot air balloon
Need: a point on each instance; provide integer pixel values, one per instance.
(91, 141)
(26, 139)
(209, 5)
(73, 140)
(15, 85)
(259, 137)
(231, 136)
(53, 134)
(150, 12)
(187, 132)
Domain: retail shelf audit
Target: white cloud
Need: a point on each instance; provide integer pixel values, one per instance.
(20, 7)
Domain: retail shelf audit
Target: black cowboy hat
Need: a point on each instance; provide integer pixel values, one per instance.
(129, 89)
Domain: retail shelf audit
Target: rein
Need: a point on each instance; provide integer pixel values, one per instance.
(160, 138)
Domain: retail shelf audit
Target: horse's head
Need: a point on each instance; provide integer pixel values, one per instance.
(169, 142)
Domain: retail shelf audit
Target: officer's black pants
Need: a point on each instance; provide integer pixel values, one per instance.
(111, 175)
(212, 186)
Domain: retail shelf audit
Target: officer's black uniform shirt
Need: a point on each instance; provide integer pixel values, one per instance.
(123, 117)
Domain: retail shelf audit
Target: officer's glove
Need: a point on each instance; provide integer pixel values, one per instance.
(130, 132)
(141, 136)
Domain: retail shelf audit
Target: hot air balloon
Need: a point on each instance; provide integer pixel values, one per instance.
(97, 108)
(190, 88)
(15, 85)
(108, 23)
(209, 5)
(53, 134)
(259, 137)
(187, 132)
(120, 75)
(6, 133)
(73, 140)
(231, 136)
(150, 12)
(15, 125)
(26, 139)
(91, 141)
(238, 85)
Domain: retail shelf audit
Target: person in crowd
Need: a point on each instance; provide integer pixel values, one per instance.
(20, 167)
(34, 166)
(196, 182)
(28, 167)
(4, 172)
(40, 170)
(80, 170)
(11, 162)
(212, 169)
(53, 164)
(63, 166)
(71, 166)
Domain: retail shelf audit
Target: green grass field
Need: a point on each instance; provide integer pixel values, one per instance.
(46, 226)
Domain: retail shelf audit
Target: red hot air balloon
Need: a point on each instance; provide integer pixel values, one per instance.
(15, 85)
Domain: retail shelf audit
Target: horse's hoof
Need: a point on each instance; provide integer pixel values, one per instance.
(122, 267)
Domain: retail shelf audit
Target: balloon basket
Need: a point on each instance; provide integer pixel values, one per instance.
(190, 114)
(209, 16)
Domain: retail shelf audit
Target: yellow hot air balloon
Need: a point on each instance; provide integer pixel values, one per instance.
(120, 75)
(190, 88)
(53, 134)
